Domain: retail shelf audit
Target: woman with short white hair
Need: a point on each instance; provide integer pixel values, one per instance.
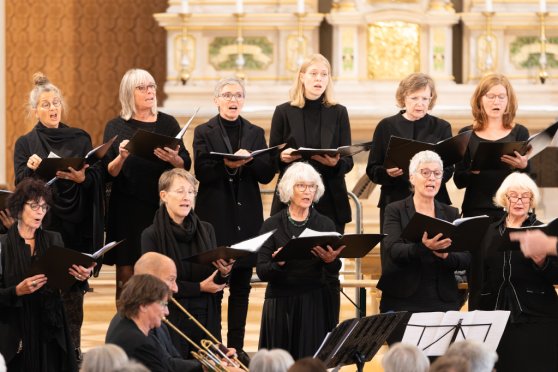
(297, 312)
(274, 360)
(502, 278)
(405, 358)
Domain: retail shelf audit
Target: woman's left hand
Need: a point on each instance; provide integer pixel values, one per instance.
(518, 161)
(81, 273)
(328, 161)
(170, 156)
(327, 255)
(73, 175)
(436, 243)
(224, 266)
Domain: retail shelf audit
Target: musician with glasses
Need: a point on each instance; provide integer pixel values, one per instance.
(134, 198)
(229, 193)
(34, 332)
(77, 208)
(505, 279)
(416, 277)
(178, 233)
(297, 311)
(493, 105)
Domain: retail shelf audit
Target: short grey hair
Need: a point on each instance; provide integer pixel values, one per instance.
(298, 172)
(167, 178)
(131, 79)
(104, 358)
(228, 81)
(405, 357)
(482, 359)
(274, 360)
(42, 85)
(520, 181)
(422, 157)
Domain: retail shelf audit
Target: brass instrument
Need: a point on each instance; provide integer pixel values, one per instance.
(214, 345)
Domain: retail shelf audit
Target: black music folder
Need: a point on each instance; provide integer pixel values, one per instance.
(401, 150)
(356, 245)
(49, 166)
(465, 233)
(4, 194)
(550, 228)
(234, 252)
(348, 150)
(143, 143)
(543, 167)
(253, 154)
(434, 332)
(356, 341)
(57, 260)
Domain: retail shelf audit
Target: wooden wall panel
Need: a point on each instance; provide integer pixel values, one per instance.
(84, 47)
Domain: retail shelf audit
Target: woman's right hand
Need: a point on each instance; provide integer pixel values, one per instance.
(394, 172)
(34, 161)
(280, 263)
(286, 156)
(209, 285)
(436, 243)
(122, 150)
(31, 284)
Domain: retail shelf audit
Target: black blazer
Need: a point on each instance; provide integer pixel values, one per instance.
(138, 346)
(287, 126)
(232, 204)
(404, 260)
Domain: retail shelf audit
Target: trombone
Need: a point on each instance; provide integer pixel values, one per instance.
(213, 346)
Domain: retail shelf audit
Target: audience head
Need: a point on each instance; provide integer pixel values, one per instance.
(300, 178)
(138, 91)
(481, 358)
(405, 358)
(274, 360)
(103, 358)
(312, 81)
(132, 366)
(144, 297)
(30, 200)
(177, 190)
(308, 364)
(158, 265)
(46, 101)
(454, 363)
(425, 173)
(494, 97)
(2, 364)
(416, 94)
(517, 185)
(229, 95)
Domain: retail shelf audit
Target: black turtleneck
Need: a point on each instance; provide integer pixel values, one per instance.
(312, 122)
(233, 132)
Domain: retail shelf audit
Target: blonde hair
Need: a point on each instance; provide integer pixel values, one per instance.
(413, 83)
(42, 85)
(298, 172)
(132, 79)
(487, 83)
(297, 90)
(520, 181)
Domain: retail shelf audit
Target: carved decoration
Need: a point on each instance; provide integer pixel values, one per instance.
(258, 53)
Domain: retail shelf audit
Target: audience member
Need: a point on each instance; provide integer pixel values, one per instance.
(308, 364)
(405, 358)
(480, 357)
(454, 363)
(104, 358)
(274, 360)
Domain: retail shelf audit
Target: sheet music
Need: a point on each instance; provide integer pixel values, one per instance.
(183, 130)
(253, 244)
(309, 232)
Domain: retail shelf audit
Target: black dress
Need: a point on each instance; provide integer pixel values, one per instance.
(481, 188)
(230, 200)
(506, 280)
(134, 195)
(179, 242)
(33, 328)
(297, 312)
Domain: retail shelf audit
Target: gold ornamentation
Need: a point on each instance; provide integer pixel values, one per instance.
(487, 49)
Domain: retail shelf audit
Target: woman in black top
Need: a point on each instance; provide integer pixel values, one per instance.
(416, 95)
(297, 312)
(494, 105)
(134, 197)
(178, 233)
(33, 327)
(77, 211)
(505, 279)
(229, 192)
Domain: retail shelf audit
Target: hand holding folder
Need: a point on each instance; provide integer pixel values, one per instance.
(348, 150)
(550, 229)
(253, 154)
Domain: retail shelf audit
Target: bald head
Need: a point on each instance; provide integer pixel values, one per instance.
(158, 265)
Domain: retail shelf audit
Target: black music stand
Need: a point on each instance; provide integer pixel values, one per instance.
(356, 341)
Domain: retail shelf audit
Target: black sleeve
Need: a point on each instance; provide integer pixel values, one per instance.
(448, 169)
(207, 169)
(462, 174)
(266, 268)
(397, 249)
(262, 167)
(21, 156)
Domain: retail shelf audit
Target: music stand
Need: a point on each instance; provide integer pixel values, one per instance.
(356, 341)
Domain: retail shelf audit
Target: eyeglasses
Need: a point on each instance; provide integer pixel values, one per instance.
(515, 198)
(301, 187)
(415, 99)
(228, 96)
(145, 88)
(35, 206)
(315, 74)
(182, 192)
(492, 97)
(426, 173)
(45, 105)
(164, 304)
